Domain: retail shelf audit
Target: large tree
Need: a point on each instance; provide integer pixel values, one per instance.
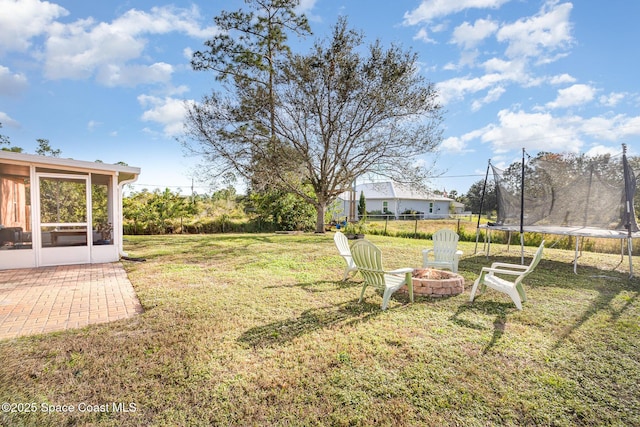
(245, 56)
(45, 148)
(482, 196)
(341, 111)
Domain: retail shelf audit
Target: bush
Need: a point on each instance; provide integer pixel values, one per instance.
(411, 214)
(284, 211)
(380, 215)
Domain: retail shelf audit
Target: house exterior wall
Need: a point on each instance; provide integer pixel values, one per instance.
(431, 209)
(398, 198)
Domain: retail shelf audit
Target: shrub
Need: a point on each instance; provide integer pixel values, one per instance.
(381, 215)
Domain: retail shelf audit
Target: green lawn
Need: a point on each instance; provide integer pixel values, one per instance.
(258, 330)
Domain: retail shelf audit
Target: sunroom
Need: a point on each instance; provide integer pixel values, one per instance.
(57, 211)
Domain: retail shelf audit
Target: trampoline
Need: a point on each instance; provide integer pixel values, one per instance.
(568, 195)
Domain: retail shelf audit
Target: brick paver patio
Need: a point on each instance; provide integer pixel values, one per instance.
(47, 299)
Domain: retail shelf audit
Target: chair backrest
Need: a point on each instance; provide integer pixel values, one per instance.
(445, 244)
(534, 262)
(342, 243)
(368, 259)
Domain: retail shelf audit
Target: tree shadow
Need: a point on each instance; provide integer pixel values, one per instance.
(603, 302)
(319, 286)
(487, 307)
(608, 285)
(334, 316)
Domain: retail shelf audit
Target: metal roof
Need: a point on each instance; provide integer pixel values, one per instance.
(66, 163)
(394, 191)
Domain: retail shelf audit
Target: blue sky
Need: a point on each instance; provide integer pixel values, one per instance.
(107, 80)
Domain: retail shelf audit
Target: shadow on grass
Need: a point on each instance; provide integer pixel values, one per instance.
(204, 246)
(603, 302)
(319, 286)
(486, 307)
(282, 332)
(560, 275)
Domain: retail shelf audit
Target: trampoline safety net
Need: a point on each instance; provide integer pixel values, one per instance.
(568, 190)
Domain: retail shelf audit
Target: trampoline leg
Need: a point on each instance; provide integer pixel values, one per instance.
(575, 258)
(621, 251)
(630, 251)
(477, 237)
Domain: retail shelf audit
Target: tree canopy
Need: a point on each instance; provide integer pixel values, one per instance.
(478, 196)
(4, 140)
(340, 111)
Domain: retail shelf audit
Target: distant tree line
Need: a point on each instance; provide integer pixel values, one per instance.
(161, 212)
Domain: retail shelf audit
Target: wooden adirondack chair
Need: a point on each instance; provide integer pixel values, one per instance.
(368, 259)
(342, 243)
(488, 277)
(445, 253)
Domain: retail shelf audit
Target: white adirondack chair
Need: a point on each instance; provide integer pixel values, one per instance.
(368, 259)
(342, 243)
(445, 253)
(515, 290)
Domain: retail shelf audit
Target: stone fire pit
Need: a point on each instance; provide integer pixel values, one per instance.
(435, 283)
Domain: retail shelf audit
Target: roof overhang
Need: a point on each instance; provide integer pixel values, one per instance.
(70, 164)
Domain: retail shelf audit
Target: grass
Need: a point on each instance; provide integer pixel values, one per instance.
(258, 329)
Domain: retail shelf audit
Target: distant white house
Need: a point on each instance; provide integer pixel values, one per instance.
(458, 208)
(396, 199)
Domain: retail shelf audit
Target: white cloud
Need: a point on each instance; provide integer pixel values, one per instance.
(432, 9)
(122, 75)
(612, 128)
(460, 144)
(86, 48)
(468, 36)
(562, 79)
(76, 50)
(457, 88)
(7, 121)
(601, 150)
(305, 6)
(612, 99)
(423, 35)
(536, 38)
(453, 145)
(539, 35)
(493, 95)
(92, 125)
(175, 90)
(515, 70)
(534, 131)
(163, 20)
(11, 83)
(169, 112)
(577, 94)
(22, 20)
(545, 132)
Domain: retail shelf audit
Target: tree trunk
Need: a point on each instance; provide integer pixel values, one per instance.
(320, 207)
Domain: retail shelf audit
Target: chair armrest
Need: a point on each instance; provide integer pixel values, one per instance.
(505, 265)
(400, 271)
(501, 271)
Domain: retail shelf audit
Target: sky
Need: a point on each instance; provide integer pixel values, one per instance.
(108, 80)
